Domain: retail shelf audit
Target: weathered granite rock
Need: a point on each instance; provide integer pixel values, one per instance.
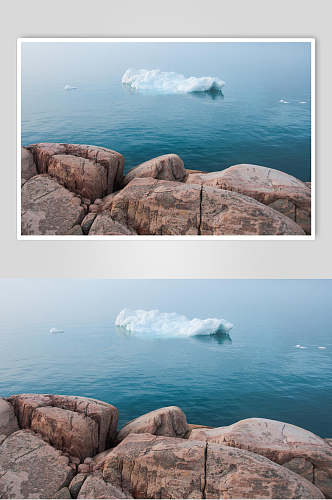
(277, 189)
(30, 468)
(80, 426)
(167, 167)
(28, 167)
(106, 160)
(169, 421)
(48, 208)
(81, 176)
(66, 430)
(280, 442)
(104, 224)
(227, 212)
(76, 484)
(8, 420)
(95, 487)
(151, 206)
(148, 466)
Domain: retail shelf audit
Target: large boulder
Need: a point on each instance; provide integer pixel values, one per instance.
(169, 421)
(156, 207)
(28, 167)
(104, 224)
(48, 208)
(31, 468)
(95, 487)
(77, 425)
(84, 177)
(148, 466)
(281, 191)
(167, 167)
(298, 449)
(8, 420)
(108, 164)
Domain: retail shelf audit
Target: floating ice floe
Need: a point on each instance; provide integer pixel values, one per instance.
(283, 101)
(303, 102)
(321, 347)
(298, 346)
(161, 324)
(55, 330)
(169, 82)
(69, 87)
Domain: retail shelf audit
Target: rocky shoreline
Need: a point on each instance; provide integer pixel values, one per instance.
(73, 189)
(54, 446)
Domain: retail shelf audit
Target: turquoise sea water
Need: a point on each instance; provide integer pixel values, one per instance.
(248, 124)
(258, 372)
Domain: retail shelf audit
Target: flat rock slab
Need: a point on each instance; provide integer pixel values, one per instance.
(281, 191)
(110, 163)
(48, 208)
(8, 420)
(30, 468)
(148, 466)
(169, 421)
(167, 167)
(156, 207)
(78, 425)
(298, 449)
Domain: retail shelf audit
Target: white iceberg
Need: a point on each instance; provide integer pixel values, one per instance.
(283, 101)
(161, 324)
(69, 87)
(55, 330)
(169, 82)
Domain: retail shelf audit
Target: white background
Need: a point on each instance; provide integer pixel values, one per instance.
(166, 259)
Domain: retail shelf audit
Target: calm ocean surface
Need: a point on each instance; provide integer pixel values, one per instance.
(247, 125)
(259, 372)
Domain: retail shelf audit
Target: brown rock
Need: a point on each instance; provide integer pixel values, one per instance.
(109, 161)
(95, 487)
(151, 206)
(277, 189)
(84, 177)
(83, 468)
(150, 466)
(104, 224)
(99, 418)
(167, 167)
(76, 484)
(66, 430)
(30, 468)
(329, 441)
(8, 420)
(169, 421)
(48, 208)
(99, 459)
(28, 167)
(278, 441)
(302, 467)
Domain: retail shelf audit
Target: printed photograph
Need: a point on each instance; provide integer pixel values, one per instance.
(165, 389)
(125, 138)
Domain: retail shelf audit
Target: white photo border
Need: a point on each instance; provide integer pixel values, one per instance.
(311, 40)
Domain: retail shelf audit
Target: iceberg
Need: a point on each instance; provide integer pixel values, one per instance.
(161, 324)
(69, 87)
(55, 330)
(164, 82)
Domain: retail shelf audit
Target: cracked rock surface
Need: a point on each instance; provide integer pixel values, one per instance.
(296, 448)
(140, 465)
(279, 190)
(167, 167)
(151, 206)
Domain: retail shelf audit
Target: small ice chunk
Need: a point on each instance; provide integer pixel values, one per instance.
(69, 87)
(56, 330)
(321, 347)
